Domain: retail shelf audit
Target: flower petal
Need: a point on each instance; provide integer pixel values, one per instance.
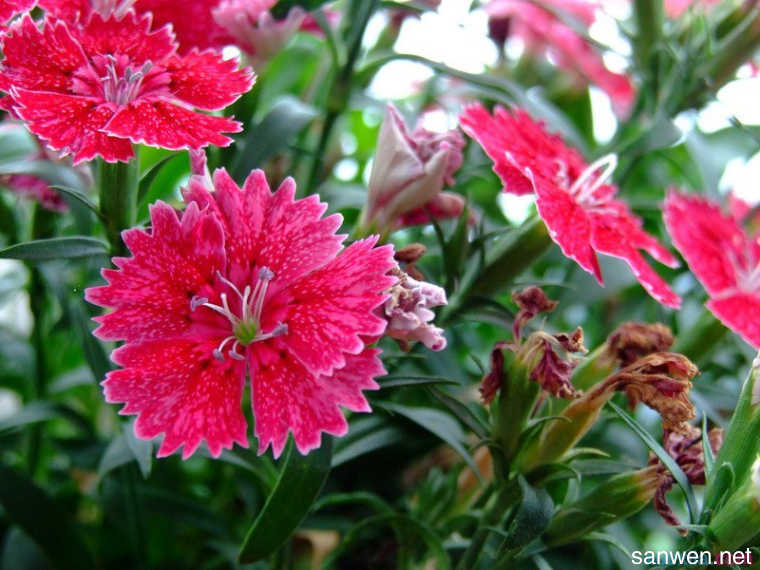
(131, 36)
(741, 313)
(193, 24)
(207, 81)
(151, 292)
(707, 238)
(9, 8)
(608, 236)
(178, 389)
(287, 397)
(71, 125)
(569, 226)
(165, 125)
(270, 230)
(327, 310)
(35, 59)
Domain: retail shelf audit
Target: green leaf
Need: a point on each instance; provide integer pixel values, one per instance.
(288, 117)
(369, 499)
(531, 518)
(94, 353)
(79, 196)
(439, 424)
(281, 9)
(141, 449)
(301, 479)
(460, 410)
(37, 412)
(55, 248)
(401, 381)
(44, 521)
(707, 448)
(149, 176)
(357, 447)
(405, 528)
(663, 456)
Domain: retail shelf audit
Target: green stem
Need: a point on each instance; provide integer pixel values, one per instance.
(340, 87)
(649, 16)
(134, 512)
(42, 228)
(504, 499)
(118, 185)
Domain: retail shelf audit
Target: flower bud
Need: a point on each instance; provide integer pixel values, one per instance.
(254, 29)
(738, 520)
(742, 440)
(539, 366)
(617, 498)
(408, 313)
(409, 172)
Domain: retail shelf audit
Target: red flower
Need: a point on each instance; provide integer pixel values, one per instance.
(94, 89)
(725, 259)
(580, 210)
(544, 33)
(242, 281)
(11, 8)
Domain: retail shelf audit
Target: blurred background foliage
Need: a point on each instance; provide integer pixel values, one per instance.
(78, 490)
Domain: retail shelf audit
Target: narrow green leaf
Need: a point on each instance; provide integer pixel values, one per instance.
(94, 353)
(288, 117)
(79, 196)
(401, 381)
(141, 449)
(55, 248)
(405, 528)
(608, 539)
(301, 479)
(281, 9)
(380, 438)
(460, 410)
(369, 499)
(439, 424)
(44, 521)
(149, 176)
(663, 456)
(707, 448)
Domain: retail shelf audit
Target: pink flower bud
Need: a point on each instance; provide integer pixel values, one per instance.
(408, 313)
(253, 27)
(409, 172)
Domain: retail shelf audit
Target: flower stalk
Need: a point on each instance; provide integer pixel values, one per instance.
(118, 184)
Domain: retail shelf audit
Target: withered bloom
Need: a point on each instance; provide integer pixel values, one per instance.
(631, 341)
(662, 381)
(687, 449)
(491, 382)
(532, 302)
(551, 360)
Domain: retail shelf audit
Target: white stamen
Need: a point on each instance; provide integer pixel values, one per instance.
(585, 185)
(251, 306)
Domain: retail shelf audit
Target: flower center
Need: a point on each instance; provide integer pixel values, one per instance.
(596, 175)
(123, 88)
(246, 326)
